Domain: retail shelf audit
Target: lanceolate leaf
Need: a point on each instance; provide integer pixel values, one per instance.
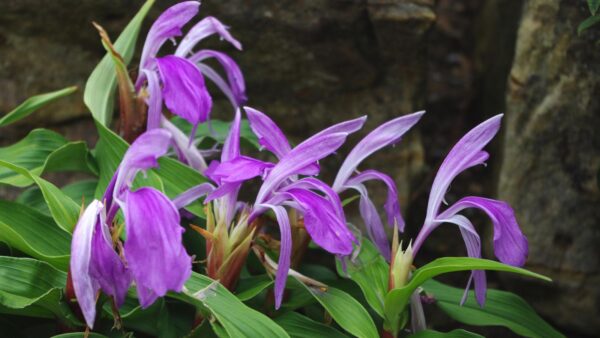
(237, 319)
(587, 23)
(593, 5)
(32, 288)
(299, 326)
(64, 211)
(501, 308)
(32, 104)
(370, 271)
(35, 234)
(451, 334)
(345, 310)
(397, 299)
(100, 86)
(81, 191)
(44, 150)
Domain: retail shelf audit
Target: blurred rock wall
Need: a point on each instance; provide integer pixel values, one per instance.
(309, 64)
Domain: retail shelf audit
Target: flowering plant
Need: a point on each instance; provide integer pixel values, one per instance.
(161, 241)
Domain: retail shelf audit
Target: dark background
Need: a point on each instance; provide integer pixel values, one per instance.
(309, 64)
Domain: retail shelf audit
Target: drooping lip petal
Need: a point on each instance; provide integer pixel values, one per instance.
(310, 183)
(373, 224)
(84, 285)
(466, 153)
(167, 26)
(392, 205)
(268, 133)
(241, 168)
(235, 77)
(203, 29)
(143, 154)
(384, 135)
(510, 245)
(323, 223)
(154, 250)
(184, 90)
(306, 153)
(285, 250)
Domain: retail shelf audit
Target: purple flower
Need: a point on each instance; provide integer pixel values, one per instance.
(382, 136)
(153, 255)
(510, 245)
(178, 79)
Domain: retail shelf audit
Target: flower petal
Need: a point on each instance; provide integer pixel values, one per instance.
(510, 245)
(184, 91)
(143, 154)
(384, 135)
(235, 77)
(473, 245)
(466, 153)
(370, 216)
(306, 153)
(84, 285)
(167, 26)
(192, 194)
(392, 206)
(186, 151)
(311, 183)
(231, 146)
(323, 223)
(269, 134)
(153, 249)
(203, 29)
(154, 99)
(241, 168)
(285, 250)
(348, 127)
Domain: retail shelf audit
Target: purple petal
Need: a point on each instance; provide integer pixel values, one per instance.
(268, 133)
(143, 154)
(392, 206)
(154, 99)
(235, 78)
(167, 26)
(323, 223)
(306, 153)
(192, 194)
(382, 136)
(223, 190)
(153, 249)
(186, 151)
(231, 147)
(84, 285)
(285, 251)
(184, 91)
(310, 183)
(203, 29)
(348, 127)
(466, 153)
(473, 245)
(239, 169)
(370, 216)
(510, 245)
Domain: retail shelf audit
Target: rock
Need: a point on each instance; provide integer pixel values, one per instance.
(552, 158)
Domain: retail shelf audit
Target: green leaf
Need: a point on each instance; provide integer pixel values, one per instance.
(80, 335)
(587, 23)
(501, 308)
(249, 288)
(345, 310)
(452, 334)
(32, 288)
(44, 150)
(32, 104)
(64, 211)
(35, 234)
(370, 271)
(397, 299)
(299, 326)
(175, 176)
(593, 5)
(100, 86)
(237, 319)
(80, 191)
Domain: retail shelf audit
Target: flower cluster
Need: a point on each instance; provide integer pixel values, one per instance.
(152, 255)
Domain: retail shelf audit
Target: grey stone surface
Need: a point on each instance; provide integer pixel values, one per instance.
(552, 158)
